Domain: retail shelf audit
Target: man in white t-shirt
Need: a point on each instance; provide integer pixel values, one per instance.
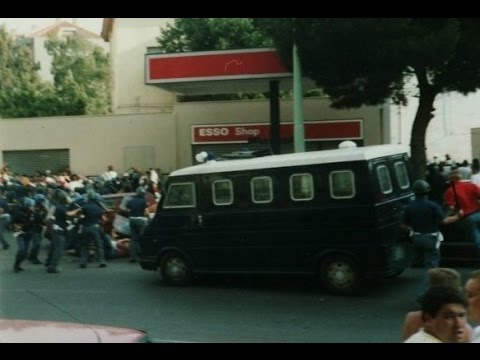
(472, 290)
(110, 174)
(444, 312)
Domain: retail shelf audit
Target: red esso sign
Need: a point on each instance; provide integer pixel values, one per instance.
(243, 133)
(213, 132)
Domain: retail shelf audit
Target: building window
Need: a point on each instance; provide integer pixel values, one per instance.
(68, 32)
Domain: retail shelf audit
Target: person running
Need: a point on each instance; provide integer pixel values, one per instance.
(464, 197)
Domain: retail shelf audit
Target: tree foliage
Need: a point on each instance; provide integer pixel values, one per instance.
(22, 93)
(202, 34)
(81, 78)
(81, 75)
(369, 61)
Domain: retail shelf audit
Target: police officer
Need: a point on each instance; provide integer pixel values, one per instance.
(5, 219)
(92, 212)
(40, 215)
(422, 218)
(59, 232)
(138, 218)
(23, 226)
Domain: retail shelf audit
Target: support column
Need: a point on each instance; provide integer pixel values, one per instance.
(274, 116)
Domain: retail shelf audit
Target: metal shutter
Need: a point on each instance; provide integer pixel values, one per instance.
(26, 162)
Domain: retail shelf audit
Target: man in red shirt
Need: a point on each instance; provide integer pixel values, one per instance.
(465, 198)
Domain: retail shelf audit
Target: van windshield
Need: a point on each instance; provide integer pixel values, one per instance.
(180, 195)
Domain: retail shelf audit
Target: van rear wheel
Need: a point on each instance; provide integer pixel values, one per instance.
(341, 275)
(175, 269)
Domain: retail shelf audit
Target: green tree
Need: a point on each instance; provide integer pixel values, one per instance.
(369, 61)
(81, 76)
(203, 34)
(22, 93)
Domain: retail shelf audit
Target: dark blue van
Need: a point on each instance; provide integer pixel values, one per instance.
(333, 214)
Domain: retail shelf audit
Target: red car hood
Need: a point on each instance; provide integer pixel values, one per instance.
(29, 331)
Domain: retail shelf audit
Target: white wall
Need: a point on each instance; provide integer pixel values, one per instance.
(448, 132)
(128, 46)
(97, 141)
(94, 141)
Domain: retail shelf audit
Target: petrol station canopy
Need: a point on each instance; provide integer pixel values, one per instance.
(219, 72)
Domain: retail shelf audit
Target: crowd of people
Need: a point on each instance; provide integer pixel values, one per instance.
(450, 193)
(68, 210)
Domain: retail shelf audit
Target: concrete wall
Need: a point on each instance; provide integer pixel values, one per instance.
(97, 141)
(94, 141)
(128, 46)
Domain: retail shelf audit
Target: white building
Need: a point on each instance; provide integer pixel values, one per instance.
(130, 39)
(449, 132)
(60, 28)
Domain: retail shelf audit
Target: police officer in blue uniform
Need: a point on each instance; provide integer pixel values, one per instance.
(92, 215)
(422, 218)
(23, 226)
(138, 219)
(59, 232)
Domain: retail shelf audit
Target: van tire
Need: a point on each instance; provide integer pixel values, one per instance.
(341, 275)
(175, 269)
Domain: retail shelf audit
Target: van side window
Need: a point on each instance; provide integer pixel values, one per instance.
(301, 187)
(261, 189)
(342, 184)
(402, 175)
(384, 180)
(222, 191)
(180, 195)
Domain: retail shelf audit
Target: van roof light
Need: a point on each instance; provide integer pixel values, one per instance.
(204, 156)
(347, 144)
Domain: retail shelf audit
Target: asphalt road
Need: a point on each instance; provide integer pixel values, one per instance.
(215, 309)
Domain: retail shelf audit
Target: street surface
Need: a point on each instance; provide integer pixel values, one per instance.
(214, 309)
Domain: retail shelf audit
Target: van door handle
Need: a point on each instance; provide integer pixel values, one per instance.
(200, 220)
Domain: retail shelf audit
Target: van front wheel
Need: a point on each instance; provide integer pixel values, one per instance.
(175, 269)
(340, 275)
